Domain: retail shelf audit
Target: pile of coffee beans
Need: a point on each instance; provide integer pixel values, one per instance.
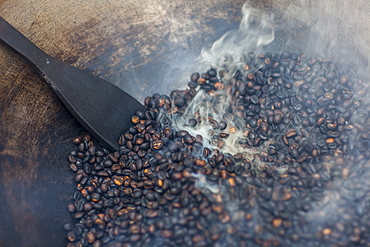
(299, 176)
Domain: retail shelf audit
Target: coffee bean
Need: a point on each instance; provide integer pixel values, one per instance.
(254, 99)
(277, 118)
(291, 133)
(194, 77)
(157, 144)
(283, 131)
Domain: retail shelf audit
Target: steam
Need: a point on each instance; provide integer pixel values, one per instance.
(254, 33)
(230, 54)
(328, 29)
(202, 182)
(333, 34)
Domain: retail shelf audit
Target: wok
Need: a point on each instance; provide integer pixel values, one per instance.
(140, 46)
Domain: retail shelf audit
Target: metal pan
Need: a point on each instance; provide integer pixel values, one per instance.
(145, 46)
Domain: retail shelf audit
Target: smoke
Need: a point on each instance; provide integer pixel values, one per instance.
(341, 195)
(328, 29)
(254, 33)
(231, 52)
(202, 182)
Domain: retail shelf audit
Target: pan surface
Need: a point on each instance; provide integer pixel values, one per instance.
(125, 42)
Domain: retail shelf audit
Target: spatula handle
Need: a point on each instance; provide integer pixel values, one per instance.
(14, 39)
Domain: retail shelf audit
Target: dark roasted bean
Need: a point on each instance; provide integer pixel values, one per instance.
(291, 133)
(73, 167)
(277, 118)
(157, 144)
(194, 77)
(71, 207)
(254, 99)
(282, 134)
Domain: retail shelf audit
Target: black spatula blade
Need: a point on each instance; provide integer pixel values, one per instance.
(102, 108)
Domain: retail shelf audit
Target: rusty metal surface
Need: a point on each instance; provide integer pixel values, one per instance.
(141, 46)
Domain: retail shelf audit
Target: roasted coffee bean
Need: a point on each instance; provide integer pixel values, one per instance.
(291, 133)
(192, 122)
(73, 167)
(277, 118)
(212, 73)
(95, 197)
(282, 134)
(68, 226)
(87, 168)
(254, 99)
(71, 207)
(194, 77)
(157, 144)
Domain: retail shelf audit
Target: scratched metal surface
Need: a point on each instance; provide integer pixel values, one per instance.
(141, 46)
